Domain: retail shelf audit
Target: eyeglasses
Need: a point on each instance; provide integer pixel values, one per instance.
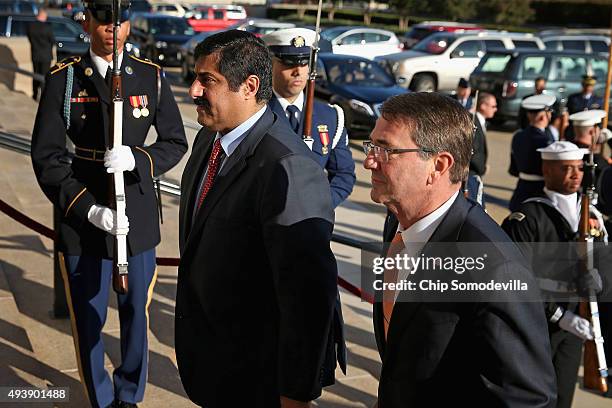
(381, 154)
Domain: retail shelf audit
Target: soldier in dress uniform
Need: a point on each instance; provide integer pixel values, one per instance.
(525, 161)
(549, 217)
(585, 100)
(76, 104)
(589, 135)
(291, 49)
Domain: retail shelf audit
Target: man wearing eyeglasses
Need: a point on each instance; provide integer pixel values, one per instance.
(475, 353)
(76, 102)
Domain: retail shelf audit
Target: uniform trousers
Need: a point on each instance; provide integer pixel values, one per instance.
(566, 353)
(87, 281)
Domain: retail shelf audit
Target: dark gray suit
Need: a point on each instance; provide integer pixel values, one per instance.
(493, 354)
(257, 279)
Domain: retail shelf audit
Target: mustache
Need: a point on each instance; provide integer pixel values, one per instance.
(200, 101)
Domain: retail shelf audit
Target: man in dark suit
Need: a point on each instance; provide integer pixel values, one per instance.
(257, 278)
(291, 48)
(486, 106)
(488, 353)
(76, 102)
(463, 94)
(40, 35)
(585, 100)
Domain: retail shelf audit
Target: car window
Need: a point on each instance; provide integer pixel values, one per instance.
(552, 44)
(492, 44)
(331, 33)
(358, 73)
(599, 46)
(435, 43)
(574, 45)
(19, 28)
(495, 63)
(321, 70)
(525, 44)
(64, 30)
(375, 37)
(170, 26)
(568, 69)
(532, 67)
(27, 8)
(468, 49)
(352, 39)
(218, 14)
(599, 67)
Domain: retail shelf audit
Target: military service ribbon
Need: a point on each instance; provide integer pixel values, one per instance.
(324, 136)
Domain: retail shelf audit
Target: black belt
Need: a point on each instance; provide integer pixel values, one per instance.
(89, 154)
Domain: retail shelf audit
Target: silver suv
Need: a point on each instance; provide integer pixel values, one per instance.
(440, 60)
(576, 42)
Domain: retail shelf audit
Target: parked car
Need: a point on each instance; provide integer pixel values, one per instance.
(358, 85)
(159, 37)
(257, 26)
(169, 9)
(419, 31)
(577, 43)
(440, 60)
(213, 18)
(70, 38)
(18, 7)
(361, 41)
(510, 75)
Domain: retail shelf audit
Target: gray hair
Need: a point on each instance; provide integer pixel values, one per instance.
(435, 122)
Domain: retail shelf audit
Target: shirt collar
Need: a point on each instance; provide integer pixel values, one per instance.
(298, 103)
(482, 120)
(422, 230)
(231, 140)
(101, 64)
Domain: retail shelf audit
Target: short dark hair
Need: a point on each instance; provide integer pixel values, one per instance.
(483, 97)
(540, 78)
(240, 54)
(436, 122)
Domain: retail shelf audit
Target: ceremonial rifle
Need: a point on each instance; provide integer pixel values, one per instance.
(310, 88)
(464, 182)
(117, 187)
(594, 361)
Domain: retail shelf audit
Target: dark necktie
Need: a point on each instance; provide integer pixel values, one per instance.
(108, 78)
(213, 167)
(293, 112)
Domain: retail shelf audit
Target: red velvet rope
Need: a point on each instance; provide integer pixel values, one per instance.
(161, 261)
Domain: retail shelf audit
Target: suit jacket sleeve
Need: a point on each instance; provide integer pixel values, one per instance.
(513, 335)
(171, 144)
(50, 157)
(297, 220)
(478, 161)
(341, 171)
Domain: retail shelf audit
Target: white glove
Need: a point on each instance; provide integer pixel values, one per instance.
(106, 219)
(576, 325)
(118, 159)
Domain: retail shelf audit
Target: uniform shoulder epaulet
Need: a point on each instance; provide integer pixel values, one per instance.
(145, 61)
(517, 216)
(65, 63)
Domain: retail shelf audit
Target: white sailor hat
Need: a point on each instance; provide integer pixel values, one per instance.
(562, 151)
(538, 102)
(291, 45)
(587, 118)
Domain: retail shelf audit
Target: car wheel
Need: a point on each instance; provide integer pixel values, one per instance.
(423, 83)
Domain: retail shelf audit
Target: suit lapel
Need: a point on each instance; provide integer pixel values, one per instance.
(232, 168)
(96, 79)
(448, 231)
(191, 177)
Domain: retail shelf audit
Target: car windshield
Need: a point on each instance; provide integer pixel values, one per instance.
(331, 33)
(494, 63)
(170, 26)
(435, 44)
(358, 73)
(418, 33)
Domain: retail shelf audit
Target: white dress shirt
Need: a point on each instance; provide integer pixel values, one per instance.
(101, 64)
